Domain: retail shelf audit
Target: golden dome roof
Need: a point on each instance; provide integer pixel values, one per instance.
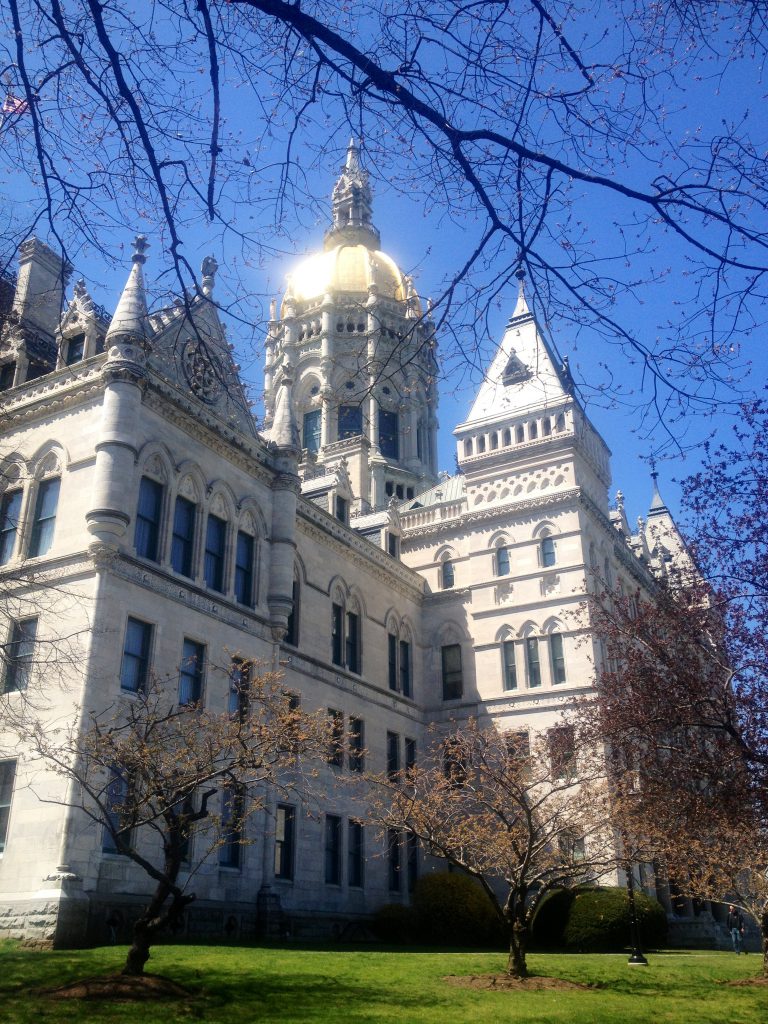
(348, 268)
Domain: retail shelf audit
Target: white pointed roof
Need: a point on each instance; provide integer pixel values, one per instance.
(131, 313)
(524, 375)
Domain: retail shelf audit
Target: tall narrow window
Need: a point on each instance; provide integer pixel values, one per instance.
(7, 375)
(350, 421)
(341, 508)
(183, 539)
(292, 629)
(335, 754)
(502, 562)
(10, 513)
(312, 427)
(393, 755)
(45, 517)
(148, 513)
(239, 689)
(392, 652)
(75, 349)
(389, 434)
(508, 660)
(337, 634)
(448, 575)
(191, 672)
(532, 661)
(332, 849)
(18, 656)
(232, 820)
(215, 547)
(393, 860)
(453, 677)
(558, 658)
(405, 668)
(285, 820)
(355, 854)
(353, 642)
(134, 668)
(412, 853)
(244, 552)
(548, 554)
(410, 754)
(562, 752)
(356, 745)
(7, 776)
(117, 818)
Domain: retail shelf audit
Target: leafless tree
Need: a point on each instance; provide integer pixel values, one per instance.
(522, 814)
(146, 772)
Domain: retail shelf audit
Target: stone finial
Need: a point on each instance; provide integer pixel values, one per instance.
(620, 501)
(273, 309)
(208, 271)
(140, 246)
(521, 306)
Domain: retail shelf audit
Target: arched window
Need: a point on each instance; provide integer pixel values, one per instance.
(480, 445)
(494, 441)
(507, 438)
(533, 430)
(468, 447)
(557, 657)
(447, 576)
(560, 422)
(502, 561)
(548, 553)
(546, 426)
(519, 434)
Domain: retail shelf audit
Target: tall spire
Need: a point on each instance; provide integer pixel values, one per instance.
(657, 502)
(131, 314)
(521, 307)
(351, 206)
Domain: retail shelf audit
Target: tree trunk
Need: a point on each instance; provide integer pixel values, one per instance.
(138, 954)
(518, 941)
(152, 921)
(764, 938)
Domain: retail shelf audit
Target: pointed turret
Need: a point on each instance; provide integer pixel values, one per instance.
(285, 432)
(658, 507)
(130, 319)
(351, 206)
(521, 307)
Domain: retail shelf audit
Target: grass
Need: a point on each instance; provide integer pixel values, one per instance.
(260, 985)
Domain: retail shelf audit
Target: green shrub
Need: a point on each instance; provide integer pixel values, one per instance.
(550, 919)
(395, 923)
(452, 909)
(598, 921)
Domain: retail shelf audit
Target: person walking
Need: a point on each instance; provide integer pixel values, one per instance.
(735, 925)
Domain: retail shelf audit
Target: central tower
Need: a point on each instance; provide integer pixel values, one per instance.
(357, 355)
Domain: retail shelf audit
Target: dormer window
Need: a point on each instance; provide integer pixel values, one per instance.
(75, 349)
(515, 372)
(7, 375)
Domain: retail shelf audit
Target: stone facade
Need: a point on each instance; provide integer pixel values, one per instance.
(460, 590)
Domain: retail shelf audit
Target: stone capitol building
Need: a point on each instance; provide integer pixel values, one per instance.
(146, 514)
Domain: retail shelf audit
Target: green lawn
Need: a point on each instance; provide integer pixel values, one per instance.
(239, 985)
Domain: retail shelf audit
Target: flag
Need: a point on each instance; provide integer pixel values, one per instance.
(13, 105)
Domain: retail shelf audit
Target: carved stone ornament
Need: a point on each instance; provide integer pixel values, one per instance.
(203, 373)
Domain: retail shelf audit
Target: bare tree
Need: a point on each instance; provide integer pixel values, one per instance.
(520, 121)
(146, 773)
(522, 814)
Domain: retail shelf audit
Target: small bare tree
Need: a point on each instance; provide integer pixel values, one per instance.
(522, 814)
(146, 772)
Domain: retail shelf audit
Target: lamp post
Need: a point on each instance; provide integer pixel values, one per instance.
(636, 958)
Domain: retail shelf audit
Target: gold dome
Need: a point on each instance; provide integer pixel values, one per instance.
(348, 268)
